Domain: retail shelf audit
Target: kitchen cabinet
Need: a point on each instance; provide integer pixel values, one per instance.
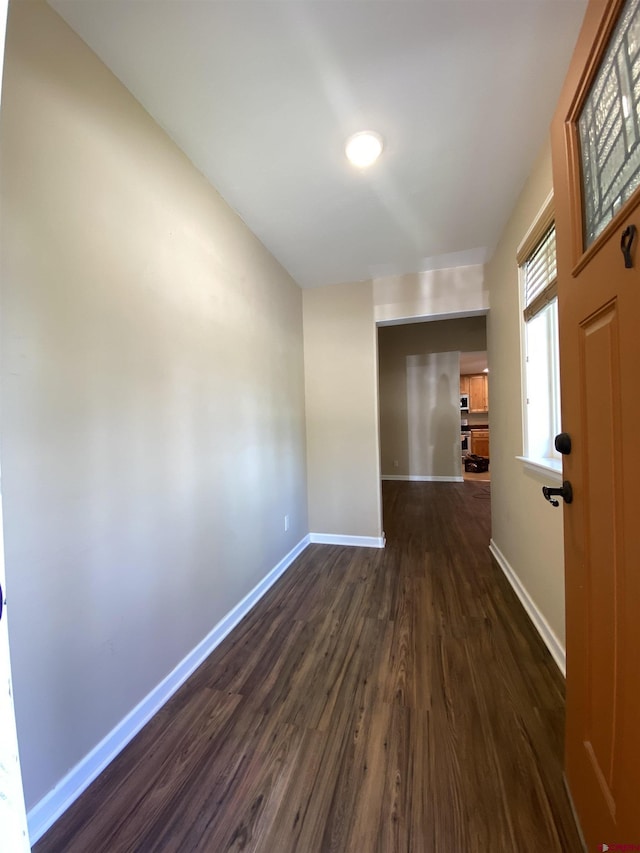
(478, 393)
(476, 387)
(480, 442)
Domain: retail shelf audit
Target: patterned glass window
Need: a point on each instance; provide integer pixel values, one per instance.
(609, 127)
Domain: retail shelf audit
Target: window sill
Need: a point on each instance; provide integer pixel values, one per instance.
(552, 468)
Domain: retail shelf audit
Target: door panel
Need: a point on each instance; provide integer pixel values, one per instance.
(599, 320)
(601, 416)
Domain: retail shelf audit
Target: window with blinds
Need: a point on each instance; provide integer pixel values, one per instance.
(536, 259)
(540, 276)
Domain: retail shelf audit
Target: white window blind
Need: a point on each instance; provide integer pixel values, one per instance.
(540, 275)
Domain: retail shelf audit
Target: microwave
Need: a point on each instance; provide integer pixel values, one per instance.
(464, 402)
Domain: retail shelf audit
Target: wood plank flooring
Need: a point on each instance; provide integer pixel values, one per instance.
(374, 701)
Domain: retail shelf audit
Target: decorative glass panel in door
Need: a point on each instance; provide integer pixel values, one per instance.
(609, 127)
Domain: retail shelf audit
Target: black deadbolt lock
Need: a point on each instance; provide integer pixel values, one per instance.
(563, 443)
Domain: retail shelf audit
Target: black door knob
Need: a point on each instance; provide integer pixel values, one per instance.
(566, 493)
(563, 443)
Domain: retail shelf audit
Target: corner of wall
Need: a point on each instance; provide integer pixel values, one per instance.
(340, 362)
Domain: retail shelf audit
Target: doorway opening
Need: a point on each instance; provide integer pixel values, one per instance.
(474, 416)
(421, 370)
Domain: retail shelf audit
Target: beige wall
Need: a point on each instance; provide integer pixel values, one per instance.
(396, 344)
(153, 399)
(341, 382)
(340, 362)
(433, 415)
(446, 292)
(526, 529)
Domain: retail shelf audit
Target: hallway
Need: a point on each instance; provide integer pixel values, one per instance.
(373, 700)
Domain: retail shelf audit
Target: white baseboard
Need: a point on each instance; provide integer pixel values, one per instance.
(542, 626)
(418, 478)
(44, 814)
(354, 541)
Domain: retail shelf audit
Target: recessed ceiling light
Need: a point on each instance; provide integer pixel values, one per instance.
(364, 148)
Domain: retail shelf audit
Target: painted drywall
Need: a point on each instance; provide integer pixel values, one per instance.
(340, 361)
(526, 529)
(396, 345)
(152, 428)
(446, 293)
(341, 384)
(433, 414)
(13, 818)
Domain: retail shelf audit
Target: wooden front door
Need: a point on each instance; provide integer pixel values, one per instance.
(599, 316)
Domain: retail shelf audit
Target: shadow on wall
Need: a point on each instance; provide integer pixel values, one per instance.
(445, 431)
(433, 408)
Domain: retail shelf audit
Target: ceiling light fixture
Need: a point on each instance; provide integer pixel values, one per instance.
(364, 148)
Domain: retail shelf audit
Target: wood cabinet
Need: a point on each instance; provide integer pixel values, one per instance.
(480, 442)
(464, 384)
(478, 392)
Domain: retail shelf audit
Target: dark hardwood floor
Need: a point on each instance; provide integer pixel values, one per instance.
(374, 700)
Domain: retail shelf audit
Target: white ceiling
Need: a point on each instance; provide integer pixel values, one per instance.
(261, 96)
